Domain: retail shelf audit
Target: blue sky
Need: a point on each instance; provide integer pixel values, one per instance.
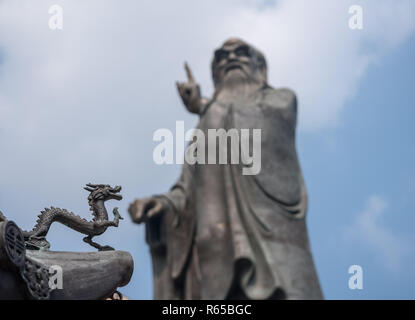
(81, 105)
(370, 154)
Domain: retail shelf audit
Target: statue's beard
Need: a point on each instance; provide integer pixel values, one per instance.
(237, 83)
(235, 76)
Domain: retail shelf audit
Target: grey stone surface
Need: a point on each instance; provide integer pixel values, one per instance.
(87, 275)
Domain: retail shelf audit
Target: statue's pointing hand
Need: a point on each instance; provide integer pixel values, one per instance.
(141, 210)
(190, 92)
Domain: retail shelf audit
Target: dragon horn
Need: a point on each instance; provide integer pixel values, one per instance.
(92, 185)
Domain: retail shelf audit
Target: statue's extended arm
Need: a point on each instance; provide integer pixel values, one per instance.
(143, 210)
(177, 196)
(163, 210)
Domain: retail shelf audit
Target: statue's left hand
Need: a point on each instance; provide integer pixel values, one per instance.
(142, 210)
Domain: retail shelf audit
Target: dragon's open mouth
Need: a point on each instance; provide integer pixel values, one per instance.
(103, 191)
(116, 196)
(113, 192)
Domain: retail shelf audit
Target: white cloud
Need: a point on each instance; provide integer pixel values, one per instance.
(107, 49)
(100, 87)
(311, 48)
(391, 249)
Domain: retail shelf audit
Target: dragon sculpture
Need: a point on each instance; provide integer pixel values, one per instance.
(99, 194)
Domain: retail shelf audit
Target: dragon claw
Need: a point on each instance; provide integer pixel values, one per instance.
(117, 214)
(37, 243)
(106, 248)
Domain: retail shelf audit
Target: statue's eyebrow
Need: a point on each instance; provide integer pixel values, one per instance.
(233, 49)
(220, 52)
(243, 47)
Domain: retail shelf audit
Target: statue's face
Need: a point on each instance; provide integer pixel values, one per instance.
(233, 60)
(236, 60)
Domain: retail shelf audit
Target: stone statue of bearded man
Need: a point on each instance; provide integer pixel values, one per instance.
(219, 234)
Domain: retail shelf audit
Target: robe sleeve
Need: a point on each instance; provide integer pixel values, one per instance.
(170, 236)
(175, 201)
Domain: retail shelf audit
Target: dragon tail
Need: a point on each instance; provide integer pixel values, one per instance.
(46, 218)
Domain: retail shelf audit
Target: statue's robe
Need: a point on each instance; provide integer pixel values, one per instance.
(227, 232)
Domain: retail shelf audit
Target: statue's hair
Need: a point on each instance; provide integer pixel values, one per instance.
(257, 56)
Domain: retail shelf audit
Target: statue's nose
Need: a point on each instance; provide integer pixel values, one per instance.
(232, 56)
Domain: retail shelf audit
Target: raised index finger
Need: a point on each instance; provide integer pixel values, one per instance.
(189, 73)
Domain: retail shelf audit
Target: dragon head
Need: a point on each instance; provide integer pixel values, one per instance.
(103, 192)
